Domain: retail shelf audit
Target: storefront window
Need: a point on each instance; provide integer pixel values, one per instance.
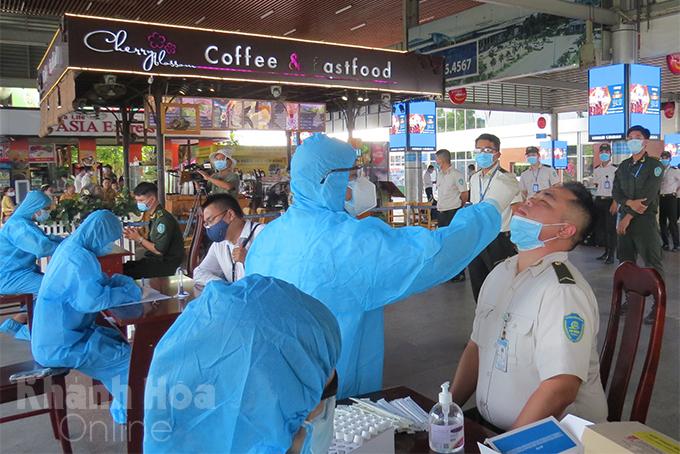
(571, 172)
(19, 97)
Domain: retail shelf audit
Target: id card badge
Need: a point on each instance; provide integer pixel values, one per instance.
(502, 355)
(607, 185)
(535, 187)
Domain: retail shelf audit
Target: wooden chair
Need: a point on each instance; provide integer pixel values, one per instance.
(396, 218)
(194, 258)
(54, 385)
(422, 216)
(637, 283)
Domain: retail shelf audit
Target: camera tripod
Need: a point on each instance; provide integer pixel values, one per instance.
(194, 213)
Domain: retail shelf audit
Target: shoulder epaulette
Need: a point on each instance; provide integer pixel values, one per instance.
(502, 170)
(564, 276)
(598, 166)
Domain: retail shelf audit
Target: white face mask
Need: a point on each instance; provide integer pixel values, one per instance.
(319, 431)
(11, 194)
(363, 196)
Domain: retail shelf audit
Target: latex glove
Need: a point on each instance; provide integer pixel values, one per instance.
(503, 194)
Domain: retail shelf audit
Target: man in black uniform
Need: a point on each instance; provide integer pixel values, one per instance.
(606, 206)
(637, 182)
(165, 245)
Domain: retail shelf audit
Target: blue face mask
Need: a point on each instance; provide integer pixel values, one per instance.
(106, 250)
(635, 145)
(319, 431)
(43, 216)
(604, 157)
(532, 160)
(217, 232)
(665, 162)
(142, 206)
(524, 233)
(484, 159)
(221, 165)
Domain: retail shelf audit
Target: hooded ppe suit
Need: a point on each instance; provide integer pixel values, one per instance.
(355, 267)
(21, 243)
(73, 291)
(253, 358)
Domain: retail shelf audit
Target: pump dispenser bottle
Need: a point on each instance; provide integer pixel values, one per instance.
(446, 424)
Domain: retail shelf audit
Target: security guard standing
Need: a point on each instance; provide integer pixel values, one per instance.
(668, 205)
(165, 245)
(606, 206)
(537, 177)
(637, 182)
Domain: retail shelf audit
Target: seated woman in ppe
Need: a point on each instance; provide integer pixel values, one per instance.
(253, 363)
(22, 242)
(73, 291)
(355, 267)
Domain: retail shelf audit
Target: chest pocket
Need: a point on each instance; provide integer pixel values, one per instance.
(520, 336)
(483, 325)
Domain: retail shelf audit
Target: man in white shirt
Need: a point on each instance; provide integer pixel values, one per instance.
(427, 181)
(537, 177)
(668, 205)
(452, 192)
(78, 180)
(87, 177)
(231, 235)
(492, 176)
(533, 350)
(605, 203)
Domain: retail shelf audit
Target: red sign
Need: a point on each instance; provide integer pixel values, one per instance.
(542, 122)
(669, 109)
(458, 96)
(378, 154)
(673, 62)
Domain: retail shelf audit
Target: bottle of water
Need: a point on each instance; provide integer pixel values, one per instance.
(446, 424)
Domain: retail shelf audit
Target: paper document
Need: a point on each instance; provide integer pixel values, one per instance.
(148, 295)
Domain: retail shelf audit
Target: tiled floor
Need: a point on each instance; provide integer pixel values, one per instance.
(424, 338)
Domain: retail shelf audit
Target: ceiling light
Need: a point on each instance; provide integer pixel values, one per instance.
(426, 19)
(200, 20)
(290, 31)
(358, 27)
(159, 2)
(212, 88)
(360, 99)
(267, 14)
(342, 10)
(89, 5)
(200, 86)
(184, 89)
(344, 98)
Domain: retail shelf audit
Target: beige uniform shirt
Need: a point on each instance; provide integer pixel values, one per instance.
(533, 181)
(480, 185)
(450, 185)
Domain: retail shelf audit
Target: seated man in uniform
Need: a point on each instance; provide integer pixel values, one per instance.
(165, 245)
(533, 349)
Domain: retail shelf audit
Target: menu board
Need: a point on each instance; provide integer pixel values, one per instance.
(235, 109)
(672, 145)
(19, 158)
(220, 114)
(292, 116)
(205, 110)
(4, 152)
(312, 117)
(607, 102)
(645, 102)
(279, 115)
(41, 153)
(398, 127)
(422, 128)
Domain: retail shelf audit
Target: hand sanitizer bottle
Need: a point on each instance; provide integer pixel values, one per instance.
(446, 424)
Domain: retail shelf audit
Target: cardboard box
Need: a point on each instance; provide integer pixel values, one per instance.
(627, 437)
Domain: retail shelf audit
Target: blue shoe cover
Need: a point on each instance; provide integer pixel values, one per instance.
(10, 326)
(23, 333)
(118, 412)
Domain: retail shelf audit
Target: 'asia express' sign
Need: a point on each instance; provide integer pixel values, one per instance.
(106, 44)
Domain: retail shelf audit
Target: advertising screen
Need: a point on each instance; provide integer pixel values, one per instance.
(672, 145)
(560, 154)
(545, 152)
(607, 102)
(398, 127)
(645, 102)
(422, 126)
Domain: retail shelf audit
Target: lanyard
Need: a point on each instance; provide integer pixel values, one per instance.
(537, 174)
(630, 164)
(482, 194)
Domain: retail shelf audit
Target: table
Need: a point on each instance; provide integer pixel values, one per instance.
(112, 263)
(151, 321)
(419, 442)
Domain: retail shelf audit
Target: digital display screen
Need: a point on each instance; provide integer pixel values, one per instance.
(672, 145)
(545, 153)
(398, 127)
(645, 100)
(553, 153)
(607, 102)
(422, 126)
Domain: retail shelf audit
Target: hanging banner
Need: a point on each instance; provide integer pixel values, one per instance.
(41, 153)
(18, 155)
(87, 152)
(4, 152)
(269, 159)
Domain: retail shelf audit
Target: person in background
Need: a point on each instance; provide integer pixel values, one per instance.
(78, 181)
(71, 296)
(357, 266)
(165, 245)
(267, 353)
(492, 177)
(605, 203)
(48, 190)
(231, 235)
(22, 242)
(668, 204)
(8, 205)
(88, 178)
(428, 182)
(108, 193)
(637, 183)
(533, 349)
(70, 193)
(90, 192)
(538, 176)
(121, 183)
(224, 180)
(452, 192)
(471, 170)
(115, 186)
(107, 172)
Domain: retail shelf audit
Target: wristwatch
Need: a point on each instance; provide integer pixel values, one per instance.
(139, 241)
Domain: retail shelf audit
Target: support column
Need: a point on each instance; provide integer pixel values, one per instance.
(412, 167)
(125, 125)
(158, 90)
(349, 113)
(624, 44)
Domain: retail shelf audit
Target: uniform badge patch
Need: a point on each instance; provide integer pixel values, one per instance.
(160, 228)
(460, 181)
(657, 172)
(573, 327)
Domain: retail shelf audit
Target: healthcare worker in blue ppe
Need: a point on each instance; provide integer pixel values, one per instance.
(355, 267)
(73, 291)
(22, 242)
(246, 368)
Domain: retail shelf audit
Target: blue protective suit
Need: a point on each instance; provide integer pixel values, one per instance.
(252, 359)
(73, 291)
(21, 243)
(355, 267)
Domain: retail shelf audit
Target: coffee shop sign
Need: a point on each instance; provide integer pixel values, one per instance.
(241, 59)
